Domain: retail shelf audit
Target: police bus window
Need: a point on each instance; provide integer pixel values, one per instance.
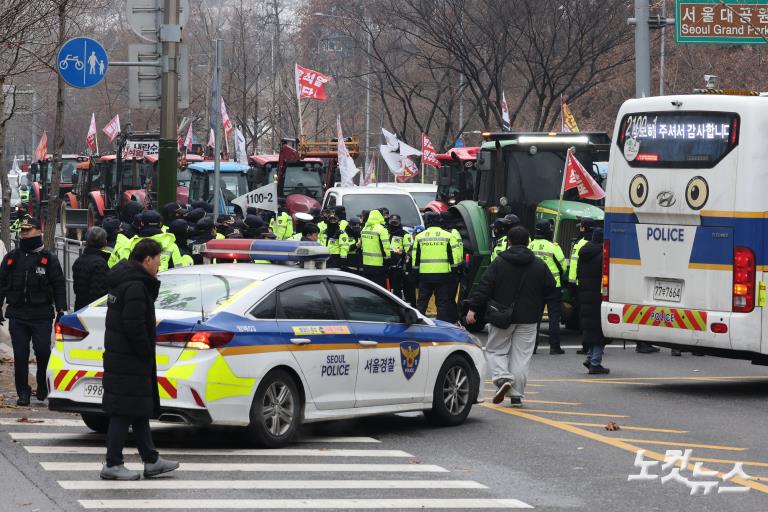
(307, 302)
(266, 309)
(364, 305)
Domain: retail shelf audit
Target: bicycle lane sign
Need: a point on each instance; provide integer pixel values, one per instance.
(82, 62)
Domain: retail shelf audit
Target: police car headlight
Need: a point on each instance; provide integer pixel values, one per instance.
(503, 201)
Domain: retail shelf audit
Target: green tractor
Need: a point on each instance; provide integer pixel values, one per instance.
(522, 173)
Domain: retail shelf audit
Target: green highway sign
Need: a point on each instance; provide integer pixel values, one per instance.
(716, 22)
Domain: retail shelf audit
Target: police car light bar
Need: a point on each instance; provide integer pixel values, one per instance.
(268, 250)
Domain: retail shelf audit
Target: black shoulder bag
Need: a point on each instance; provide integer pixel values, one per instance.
(500, 315)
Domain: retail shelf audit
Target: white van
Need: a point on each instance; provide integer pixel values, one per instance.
(686, 244)
(357, 199)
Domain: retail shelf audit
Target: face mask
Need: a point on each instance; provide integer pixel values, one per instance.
(30, 244)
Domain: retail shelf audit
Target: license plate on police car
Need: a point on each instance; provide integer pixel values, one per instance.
(92, 389)
(667, 290)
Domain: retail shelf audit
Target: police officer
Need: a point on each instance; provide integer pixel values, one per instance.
(336, 240)
(401, 243)
(433, 256)
(354, 260)
(500, 228)
(205, 231)
(182, 230)
(341, 214)
(171, 212)
(32, 284)
(551, 254)
(283, 226)
(112, 226)
(150, 226)
(586, 227)
(24, 194)
(224, 225)
(375, 246)
(309, 232)
(302, 219)
(128, 215)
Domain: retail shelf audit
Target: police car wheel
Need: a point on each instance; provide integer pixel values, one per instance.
(276, 410)
(96, 422)
(452, 396)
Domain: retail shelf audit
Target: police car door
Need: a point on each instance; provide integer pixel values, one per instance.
(393, 359)
(322, 344)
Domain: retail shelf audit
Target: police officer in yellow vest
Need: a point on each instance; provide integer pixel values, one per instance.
(336, 240)
(401, 243)
(283, 227)
(434, 258)
(586, 226)
(151, 227)
(500, 229)
(551, 254)
(375, 246)
(24, 194)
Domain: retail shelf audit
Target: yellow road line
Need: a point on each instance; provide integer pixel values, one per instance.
(687, 445)
(577, 413)
(624, 427)
(553, 403)
(622, 445)
(491, 390)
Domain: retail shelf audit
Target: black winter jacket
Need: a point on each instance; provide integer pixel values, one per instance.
(590, 274)
(130, 372)
(502, 279)
(31, 283)
(89, 276)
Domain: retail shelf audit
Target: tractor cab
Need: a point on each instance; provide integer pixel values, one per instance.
(233, 183)
(457, 177)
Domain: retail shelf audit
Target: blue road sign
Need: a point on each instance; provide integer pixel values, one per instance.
(82, 62)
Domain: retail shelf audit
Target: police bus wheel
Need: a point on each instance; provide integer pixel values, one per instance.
(276, 410)
(96, 422)
(452, 396)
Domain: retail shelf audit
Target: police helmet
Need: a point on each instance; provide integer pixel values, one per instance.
(194, 215)
(395, 221)
(150, 218)
(431, 219)
(543, 227)
(511, 220)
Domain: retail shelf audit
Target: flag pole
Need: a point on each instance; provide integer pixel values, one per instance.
(562, 191)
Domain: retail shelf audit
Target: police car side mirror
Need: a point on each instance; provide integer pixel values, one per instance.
(409, 316)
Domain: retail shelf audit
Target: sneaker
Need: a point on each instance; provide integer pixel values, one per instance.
(23, 400)
(676, 353)
(556, 351)
(159, 467)
(118, 473)
(515, 401)
(586, 364)
(598, 370)
(502, 392)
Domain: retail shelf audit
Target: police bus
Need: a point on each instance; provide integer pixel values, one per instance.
(686, 245)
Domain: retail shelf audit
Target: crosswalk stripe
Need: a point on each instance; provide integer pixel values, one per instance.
(259, 467)
(410, 503)
(102, 485)
(92, 436)
(41, 422)
(218, 452)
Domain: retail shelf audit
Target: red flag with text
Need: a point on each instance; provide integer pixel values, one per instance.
(428, 153)
(41, 151)
(576, 176)
(310, 84)
(188, 139)
(113, 128)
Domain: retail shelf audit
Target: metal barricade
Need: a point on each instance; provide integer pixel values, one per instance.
(68, 250)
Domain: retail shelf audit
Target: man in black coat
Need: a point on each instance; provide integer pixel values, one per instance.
(89, 271)
(517, 284)
(32, 284)
(590, 277)
(130, 372)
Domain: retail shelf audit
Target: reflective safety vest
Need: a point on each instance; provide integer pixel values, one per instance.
(501, 245)
(24, 196)
(295, 236)
(338, 246)
(551, 254)
(375, 245)
(169, 251)
(220, 236)
(284, 228)
(574, 263)
(434, 250)
(121, 251)
(458, 246)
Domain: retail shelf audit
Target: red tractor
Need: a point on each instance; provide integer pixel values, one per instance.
(40, 175)
(457, 178)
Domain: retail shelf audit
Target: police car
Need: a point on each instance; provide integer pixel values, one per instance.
(270, 346)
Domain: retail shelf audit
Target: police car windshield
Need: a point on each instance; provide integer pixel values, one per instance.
(400, 204)
(197, 292)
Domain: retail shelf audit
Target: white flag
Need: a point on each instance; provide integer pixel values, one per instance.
(112, 129)
(188, 138)
(90, 137)
(347, 166)
(15, 171)
(370, 171)
(211, 139)
(241, 155)
(391, 138)
(392, 158)
(505, 124)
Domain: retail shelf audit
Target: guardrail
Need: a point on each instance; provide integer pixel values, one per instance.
(68, 250)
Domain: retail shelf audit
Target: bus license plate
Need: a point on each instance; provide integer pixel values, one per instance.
(667, 290)
(93, 389)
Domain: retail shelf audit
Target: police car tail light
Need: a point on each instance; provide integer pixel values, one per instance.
(69, 333)
(743, 280)
(173, 339)
(209, 339)
(606, 267)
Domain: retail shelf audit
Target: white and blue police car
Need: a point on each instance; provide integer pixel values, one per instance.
(270, 346)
